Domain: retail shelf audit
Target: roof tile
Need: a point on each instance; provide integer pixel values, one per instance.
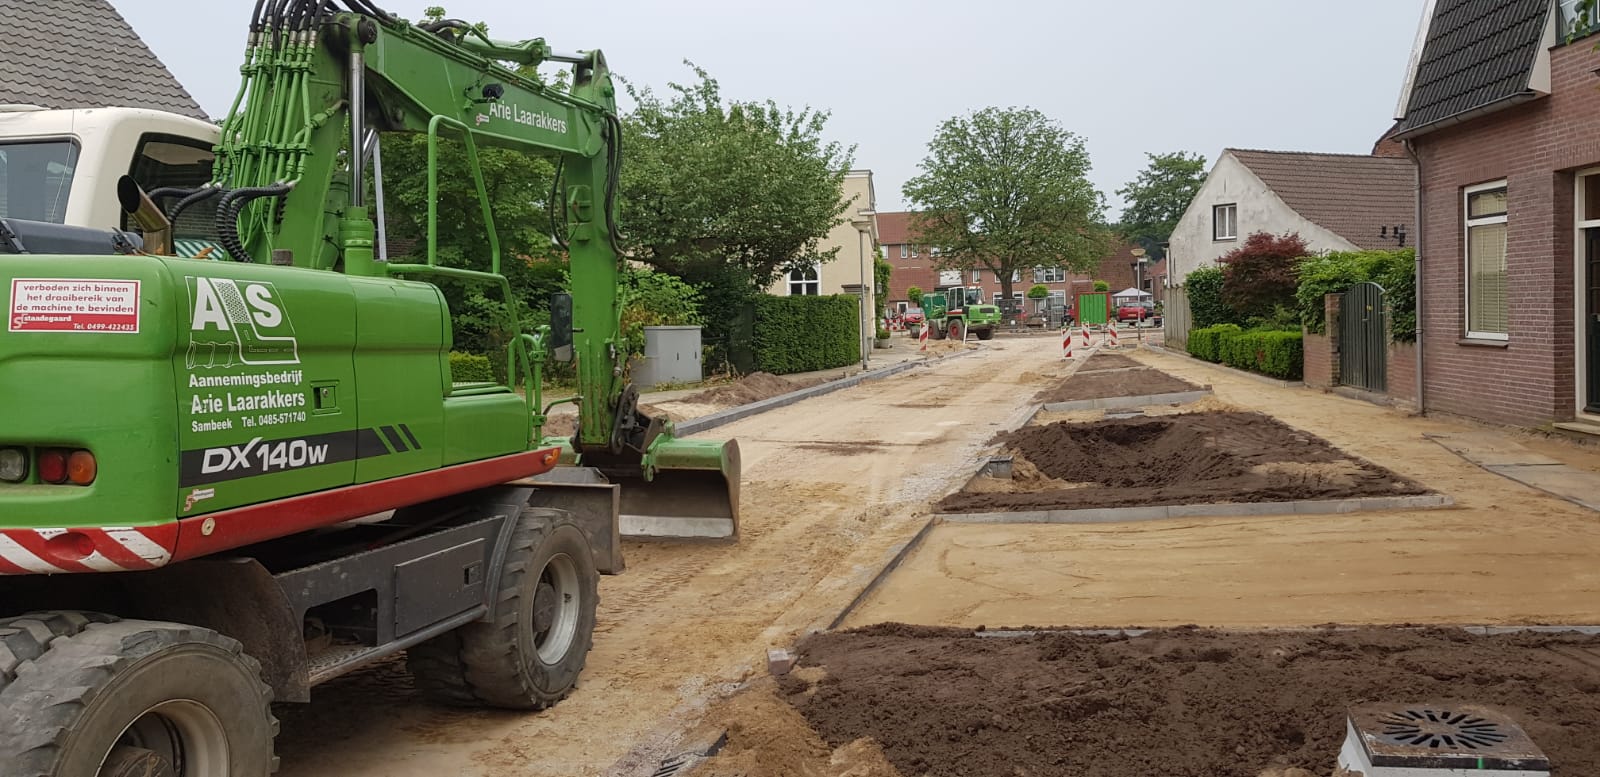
(1477, 53)
(82, 54)
(1350, 196)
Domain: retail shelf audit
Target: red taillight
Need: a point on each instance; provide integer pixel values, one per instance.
(82, 468)
(53, 466)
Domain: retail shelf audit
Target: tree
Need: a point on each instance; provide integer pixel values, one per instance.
(1158, 198)
(914, 294)
(1008, 190)
(519, 189)
(882, 271)
(1102, 286)
(1260, 277)
(1039, 291)
(708, 181)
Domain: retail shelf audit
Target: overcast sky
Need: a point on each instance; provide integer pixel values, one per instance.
(1130, 77)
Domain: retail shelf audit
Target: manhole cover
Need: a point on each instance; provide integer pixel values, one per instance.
(1442, 736)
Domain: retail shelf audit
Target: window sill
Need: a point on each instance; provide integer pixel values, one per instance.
(1225, 240)
(1475, 342)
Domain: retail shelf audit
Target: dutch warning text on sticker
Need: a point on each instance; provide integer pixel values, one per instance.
(74, 305)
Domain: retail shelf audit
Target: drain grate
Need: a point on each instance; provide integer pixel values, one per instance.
(1436, 729)
(1436, 735)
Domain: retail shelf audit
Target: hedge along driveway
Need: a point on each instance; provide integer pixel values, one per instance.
(807, 333)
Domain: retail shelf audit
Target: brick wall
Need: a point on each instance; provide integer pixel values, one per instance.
(1529, 380)
(1403, 372)
(1322, 351)
(1322, 365)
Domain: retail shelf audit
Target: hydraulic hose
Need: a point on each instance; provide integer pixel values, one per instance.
(198, 195)
(227, 221)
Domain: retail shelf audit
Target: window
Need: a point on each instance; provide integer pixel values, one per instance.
(1050, 275)
(35, 179)
(1575, 21)
(169, 160)
(905, 250)
(949, 277)
(913, 252)
(804, 281)
(1225, 222)
(934, 251)
(977, 276)
(1487, 311)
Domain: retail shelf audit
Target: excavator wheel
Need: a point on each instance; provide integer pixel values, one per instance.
(86, 695)
(958, 330)
(985, 334)
(529, 656)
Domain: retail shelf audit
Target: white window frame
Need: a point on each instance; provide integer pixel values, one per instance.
(1580, 288)
(1050, 275)
(905, 250)
(1218, 233)
(1466, 258)
(977, 276)
(803, 282)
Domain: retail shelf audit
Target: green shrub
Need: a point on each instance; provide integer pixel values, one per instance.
(806, 333)
(470, 368)
(1271, 352)
(1207, 343)
(1102, 286)
(1204, 287)
(1335, 273)
(915, 295)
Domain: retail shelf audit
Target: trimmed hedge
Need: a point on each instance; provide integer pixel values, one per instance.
(1274, 352)
(1206, 343)
(806, 333)
(470, 368)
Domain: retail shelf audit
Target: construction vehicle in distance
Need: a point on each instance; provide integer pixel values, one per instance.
(234, 462)
(953, 311)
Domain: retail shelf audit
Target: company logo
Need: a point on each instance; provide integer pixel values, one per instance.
(510, 111)
(238, 322)
(196, 496)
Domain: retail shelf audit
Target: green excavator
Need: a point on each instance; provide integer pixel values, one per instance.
(234, 461)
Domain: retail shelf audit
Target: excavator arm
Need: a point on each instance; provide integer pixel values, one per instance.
(289, 188)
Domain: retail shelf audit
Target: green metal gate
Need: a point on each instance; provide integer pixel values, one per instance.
(1094, 308)
(1364, 338)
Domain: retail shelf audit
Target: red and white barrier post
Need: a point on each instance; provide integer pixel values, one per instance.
(1111, 334)
(922, 336)
(1086, 342)
(1066, 344)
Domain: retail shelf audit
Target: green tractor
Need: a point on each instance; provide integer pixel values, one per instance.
(954, 311)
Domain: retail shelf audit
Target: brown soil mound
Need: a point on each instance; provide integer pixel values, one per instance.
(1195, 458)
(751, 388)
(1177, 703)
(1101, 384)
(566, 424)
(1109, 361)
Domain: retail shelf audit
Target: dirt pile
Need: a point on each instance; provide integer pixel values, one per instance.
(1195, 458)
(1109, 361)
(1104, 382)
(751, 388)
(566, 424)
(1176, 703)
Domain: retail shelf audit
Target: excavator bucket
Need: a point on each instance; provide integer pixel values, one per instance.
(691, 491)
(683, 490)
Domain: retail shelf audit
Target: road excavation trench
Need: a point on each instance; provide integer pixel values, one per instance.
(831, 486)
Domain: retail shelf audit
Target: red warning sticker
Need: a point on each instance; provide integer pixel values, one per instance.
(74, 305)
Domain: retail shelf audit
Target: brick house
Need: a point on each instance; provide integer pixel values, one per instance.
(1501, 114)
(914, 263)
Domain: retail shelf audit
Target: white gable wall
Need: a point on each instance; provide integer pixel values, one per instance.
(1259, 210)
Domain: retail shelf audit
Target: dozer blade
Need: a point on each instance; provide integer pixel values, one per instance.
(693, 492)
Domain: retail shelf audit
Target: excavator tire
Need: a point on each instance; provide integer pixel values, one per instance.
(530, 656)
(87, 695)
(985, 334)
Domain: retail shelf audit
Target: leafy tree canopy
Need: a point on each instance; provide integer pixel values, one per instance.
(1158, 198)
(1008, 190)
(708, 180)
